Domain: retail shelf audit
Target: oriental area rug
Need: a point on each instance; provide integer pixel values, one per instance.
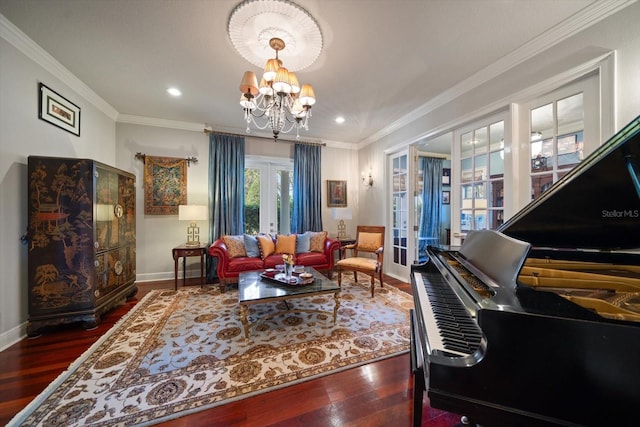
(179, 352)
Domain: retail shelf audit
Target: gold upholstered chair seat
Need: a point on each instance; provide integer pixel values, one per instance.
(357, 263)
(367, 254)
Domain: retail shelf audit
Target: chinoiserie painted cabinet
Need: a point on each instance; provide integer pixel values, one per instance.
(82, 241)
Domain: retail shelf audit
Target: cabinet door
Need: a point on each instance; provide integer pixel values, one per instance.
(107, 209)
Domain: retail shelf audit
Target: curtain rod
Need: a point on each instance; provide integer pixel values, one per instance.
(142, 158)
(209, 131)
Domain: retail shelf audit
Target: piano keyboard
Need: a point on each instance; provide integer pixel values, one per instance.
(450, 327)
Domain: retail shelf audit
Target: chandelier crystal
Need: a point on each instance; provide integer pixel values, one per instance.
(279, 102)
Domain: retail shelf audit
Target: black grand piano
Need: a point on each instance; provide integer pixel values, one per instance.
(538, 323)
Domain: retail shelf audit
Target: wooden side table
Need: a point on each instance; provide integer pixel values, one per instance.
(183, 251)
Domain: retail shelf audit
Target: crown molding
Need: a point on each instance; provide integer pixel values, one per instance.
(161, 123)
(575, 24)
(14, 36)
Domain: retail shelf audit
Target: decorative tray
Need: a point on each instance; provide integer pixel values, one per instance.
(295, 279)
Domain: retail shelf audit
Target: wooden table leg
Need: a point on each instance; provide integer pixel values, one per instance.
(184, 271)
(202, 270)
(175, 271)
(243, 319)
(336, 298)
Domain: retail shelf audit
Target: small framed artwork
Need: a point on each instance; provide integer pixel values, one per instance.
(336, 194)
(57, 110)
(446, 176)
(446, 196)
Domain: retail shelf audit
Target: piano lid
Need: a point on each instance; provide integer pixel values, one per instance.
(595, 206)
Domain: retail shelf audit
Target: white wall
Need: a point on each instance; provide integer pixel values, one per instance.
(156, 235)
(22, 134)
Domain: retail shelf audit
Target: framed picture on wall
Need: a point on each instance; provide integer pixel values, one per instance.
(57, 110)
(446, 195)
(446, 176)
(336, 194)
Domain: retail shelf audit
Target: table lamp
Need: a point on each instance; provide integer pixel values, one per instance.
(341, 214)
(192, 213)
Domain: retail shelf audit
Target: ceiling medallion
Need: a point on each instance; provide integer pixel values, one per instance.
(253, 23)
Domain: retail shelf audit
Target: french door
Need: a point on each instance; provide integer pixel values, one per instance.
(399, 258)
(268, 195)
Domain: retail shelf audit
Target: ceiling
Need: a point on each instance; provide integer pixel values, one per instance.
(381, 59)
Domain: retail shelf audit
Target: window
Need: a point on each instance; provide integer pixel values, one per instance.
(557, 133)
(268, 195)
(482, 177)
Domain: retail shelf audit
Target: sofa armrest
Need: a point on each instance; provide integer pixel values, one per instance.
(219, 250)
(330, 247)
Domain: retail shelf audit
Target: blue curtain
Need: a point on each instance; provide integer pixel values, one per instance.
(226, 190)
(429, 227)
(307, 200)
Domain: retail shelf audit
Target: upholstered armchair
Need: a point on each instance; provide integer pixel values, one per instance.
(367, 255)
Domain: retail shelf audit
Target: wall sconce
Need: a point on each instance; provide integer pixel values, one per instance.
(341, 214)
(192, 213)
(367, 181)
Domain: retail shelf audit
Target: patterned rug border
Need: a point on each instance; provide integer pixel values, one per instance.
(141, 305)
(26, 411)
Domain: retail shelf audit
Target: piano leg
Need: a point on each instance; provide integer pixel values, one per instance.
(418, 394)
(419, 385)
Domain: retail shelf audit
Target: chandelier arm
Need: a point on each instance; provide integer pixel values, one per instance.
(258, 125)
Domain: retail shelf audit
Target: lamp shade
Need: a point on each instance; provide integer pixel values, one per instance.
(307, 96)
(341, 213)
(192, 213)
(281, 82)
(265, 88)
(293, 81)
(271, 69)
(249, 83)
(247, 103)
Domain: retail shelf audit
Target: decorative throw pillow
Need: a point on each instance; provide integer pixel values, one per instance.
(286, 244)
(303, 243)
(235, 246)
(265, 243)
(251, 246)
(317, 241)
(369, 241)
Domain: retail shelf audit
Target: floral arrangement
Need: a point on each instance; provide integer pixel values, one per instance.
(287, 258)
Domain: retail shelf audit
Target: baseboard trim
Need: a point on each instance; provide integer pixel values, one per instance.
(12, 336)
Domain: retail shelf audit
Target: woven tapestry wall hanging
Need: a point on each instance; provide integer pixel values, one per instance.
(165, 185)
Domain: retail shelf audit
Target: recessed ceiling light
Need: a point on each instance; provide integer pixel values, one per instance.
(173, 91)
(339, 120)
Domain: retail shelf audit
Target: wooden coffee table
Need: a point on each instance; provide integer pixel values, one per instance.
(254, 289)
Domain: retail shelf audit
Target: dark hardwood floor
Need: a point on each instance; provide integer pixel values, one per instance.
(377, 394)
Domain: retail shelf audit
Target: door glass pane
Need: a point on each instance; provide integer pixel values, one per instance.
(540, 184)
(569, 150)
(400, 213)
(482, 177)
(284, 201)
(466, 159)
(480, 220)
(496, 148)
(570, 114)
(466, 219)
(251, 201)
(557, 131)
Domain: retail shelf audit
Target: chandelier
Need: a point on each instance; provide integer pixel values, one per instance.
(279, 101)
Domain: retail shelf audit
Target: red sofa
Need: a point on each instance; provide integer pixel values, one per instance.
(229, 268)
